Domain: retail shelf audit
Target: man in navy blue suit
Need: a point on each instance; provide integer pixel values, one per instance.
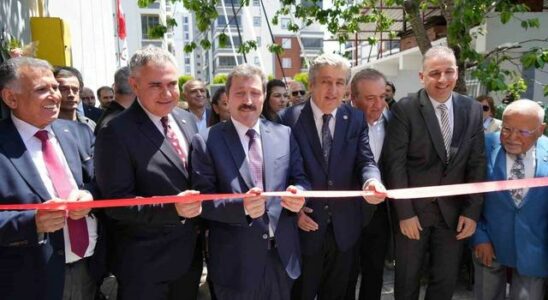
(143, 152)
(44, 254)
(254, 245)
(333, 138)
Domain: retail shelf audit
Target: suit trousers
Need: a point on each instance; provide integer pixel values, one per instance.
(79, 285)
(275, 285)
(183, 288)
(445, 251)
(490, 283)
(370, 254)
(326, 273)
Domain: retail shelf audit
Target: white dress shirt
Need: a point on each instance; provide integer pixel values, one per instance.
(318, 120)
(529, 165)
(201, 122)
(34, 148)
(377, 132)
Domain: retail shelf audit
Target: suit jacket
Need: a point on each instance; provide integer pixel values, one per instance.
(351, 164)
(414, 155)
(238, 245)
(519, 235)
(134, 159)
(93, 113)
(23, 259)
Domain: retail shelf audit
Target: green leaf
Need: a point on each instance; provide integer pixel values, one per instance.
(529, 59)
(505, 16)
(546, 90)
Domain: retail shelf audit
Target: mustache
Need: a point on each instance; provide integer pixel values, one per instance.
(250, 107)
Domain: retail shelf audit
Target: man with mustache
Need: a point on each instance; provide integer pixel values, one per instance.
(70, 84)
(253, 242)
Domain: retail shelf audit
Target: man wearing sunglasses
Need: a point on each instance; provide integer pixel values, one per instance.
(513, 229)
(296, 92)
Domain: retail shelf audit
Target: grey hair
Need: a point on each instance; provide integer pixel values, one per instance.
(9, 70)
(523, 104)
(365, 74)
(327, 59)
(150, 54)
(245, 71)
(437, 51)
(188, 82)
(121, 84)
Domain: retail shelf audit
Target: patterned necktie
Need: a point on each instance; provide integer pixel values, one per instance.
(173, 140)
(517, 172)
(327, 139)
(77, 229)
(445, 128)
(255, 158)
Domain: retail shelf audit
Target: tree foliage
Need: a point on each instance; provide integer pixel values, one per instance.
(343, 19)
(220, 78)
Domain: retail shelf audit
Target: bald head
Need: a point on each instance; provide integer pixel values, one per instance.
(522, 125)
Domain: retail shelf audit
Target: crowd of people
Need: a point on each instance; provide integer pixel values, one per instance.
(340, 133)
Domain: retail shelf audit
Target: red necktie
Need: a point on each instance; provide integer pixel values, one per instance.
(77, 229)
(173, 140)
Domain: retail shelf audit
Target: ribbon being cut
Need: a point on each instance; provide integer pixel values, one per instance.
(407, 193)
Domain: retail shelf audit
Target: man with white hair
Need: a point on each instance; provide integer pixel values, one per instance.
(144, 153)
(513, 229)
(334, 141)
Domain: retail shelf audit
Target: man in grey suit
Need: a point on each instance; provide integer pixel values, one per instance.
(434, 137)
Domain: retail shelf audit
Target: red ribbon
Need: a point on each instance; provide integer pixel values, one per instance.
(407, 193)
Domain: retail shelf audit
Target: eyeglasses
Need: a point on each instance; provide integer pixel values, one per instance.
(486, 108)
(296, 93)
(506, 131)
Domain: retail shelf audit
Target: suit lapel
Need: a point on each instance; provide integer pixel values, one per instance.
(427, 111)
(186, 126)
(150, 130)
(70, 149)
(460, 118)
(306, 121)
(232, 140)
(16, 151)
(541, 169)
(339, 138)
(268, 142)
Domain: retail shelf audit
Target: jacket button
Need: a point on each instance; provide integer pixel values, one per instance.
(330, 182)
(60, 252)
(326, 207)
(265, 236)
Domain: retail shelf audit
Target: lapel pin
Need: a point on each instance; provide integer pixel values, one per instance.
(345, 117)
(184, 121)
(546, 158)
(65, 130)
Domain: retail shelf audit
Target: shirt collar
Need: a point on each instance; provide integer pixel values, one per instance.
(26, 130)
(317, 112)
(155, 119)
(242, 129)
(448, 103)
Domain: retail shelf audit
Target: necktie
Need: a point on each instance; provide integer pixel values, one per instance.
(173, 140)
(255, 158)
(77, 229)
(517, 172)
(445, 128)
(327, 139)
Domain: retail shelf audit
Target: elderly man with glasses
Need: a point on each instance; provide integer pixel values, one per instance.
(513, 229)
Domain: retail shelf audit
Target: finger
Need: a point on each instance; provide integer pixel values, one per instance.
(460, 225)
(292, 189)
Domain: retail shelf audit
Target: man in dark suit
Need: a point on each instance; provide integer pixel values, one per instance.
(44, 254)
(254, 244)
(144, 153)
(88, 103)
(434, 138)
(123, 98)
(333, 138)
(368, 94)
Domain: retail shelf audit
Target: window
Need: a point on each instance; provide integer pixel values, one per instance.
(257, 21)
(187, 69)
(185, 27)
(227, 61)
(284, 23)
(310, 3)
(256, 61)
(187, 36)
(312, 42)
(185, 20)
(155, 4)
(258, 41)
(148, 21)
(256, 3)
(286, 43)
(286, 62)
(187, 60)
(221, 21)
(228, 44)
